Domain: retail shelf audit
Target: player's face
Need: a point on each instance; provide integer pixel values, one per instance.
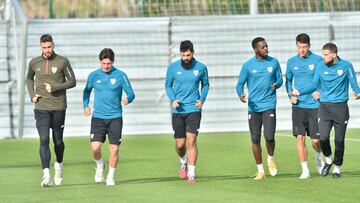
(106, 65)
(328, 57)
(46, 48)
(261, 49)
(186, 57)
(302, 48)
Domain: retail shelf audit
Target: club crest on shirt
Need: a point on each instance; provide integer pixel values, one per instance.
(196, 72)
(326, 73)
(53, 69)
(98, 81)
(296, 68)
(254, 71)
(113, 81)
(179, 73)
(270, 69)
(340, 72)
(311, 66)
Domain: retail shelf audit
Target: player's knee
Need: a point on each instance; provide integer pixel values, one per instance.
(270, 141)
(255, 141)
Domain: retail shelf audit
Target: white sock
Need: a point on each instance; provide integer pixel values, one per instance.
(318, 155)
(183, 160)
(336, 169)
(328, 159)
(191, 170)
(99, 163)
(46, 172)
(260, 168)
(304, 166)
(111, 172)
(58, 165)
(270, 158)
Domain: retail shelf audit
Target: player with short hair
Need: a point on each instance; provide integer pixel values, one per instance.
(262, 74)
(332, 78)
(108, 83)
(300, 71)
(48, 78)
(182, 82)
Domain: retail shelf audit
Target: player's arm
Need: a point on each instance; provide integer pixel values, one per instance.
(86, 96)
(70, 79)
(279, 80)
(289, 84)
(353, 82)
(130, 95)
(313, 86)
(30, 85)
(205, 85)
(169, 81)
(243, 76)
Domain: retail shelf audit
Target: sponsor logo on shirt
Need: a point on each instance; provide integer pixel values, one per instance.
(196, 72)
(311, 66)
(54, 69)
(179, 73)
(340, 72)
(270, 69)
(98, 81)
(112, 81)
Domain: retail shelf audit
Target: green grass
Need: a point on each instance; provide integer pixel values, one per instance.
(148, 169)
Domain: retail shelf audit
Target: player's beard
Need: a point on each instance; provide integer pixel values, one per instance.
(187, 63)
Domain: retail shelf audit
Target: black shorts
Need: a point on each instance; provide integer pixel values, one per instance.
(183, 123)
(305, 121)
(266, 118)
(50, 119)
(102, 127)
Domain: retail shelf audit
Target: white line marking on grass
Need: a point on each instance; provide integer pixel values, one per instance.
(332, 138)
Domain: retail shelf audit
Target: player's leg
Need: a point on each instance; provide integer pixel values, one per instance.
(192, 122)
(255, 123)
(325, 125)
(178, 125)
(340, 125)
(97, 137)
(314, 134)
(269, 121)
(43, 122)
(114, 133)
(58, 119)
(299, 131)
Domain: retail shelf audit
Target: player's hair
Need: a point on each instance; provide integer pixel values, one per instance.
(303, 38)
(186, 45)
(107, 53)
(256, 40)
(331, 47)
(46, 38)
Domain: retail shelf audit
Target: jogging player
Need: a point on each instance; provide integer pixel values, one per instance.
(108, 83)
(262, 74)
(182, 87)
(300, 71)
(332, 78)
(53, 76)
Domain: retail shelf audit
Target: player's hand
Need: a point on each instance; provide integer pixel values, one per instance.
(316, 95)
(355, 96)
(273, 86)
(35, 99)
(87, 111)
(199, 104)
(293, 100)
(243, 98)
(295, 93)
(47, 87)
(124, 101)
(175, 104)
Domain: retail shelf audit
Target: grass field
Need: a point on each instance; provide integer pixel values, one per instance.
(148, 172)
